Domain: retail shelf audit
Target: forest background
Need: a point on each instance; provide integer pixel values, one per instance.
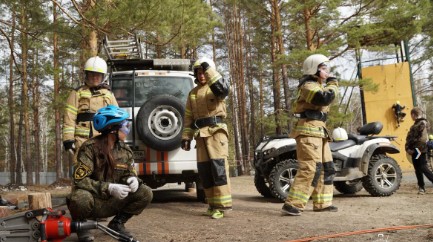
(258, 44)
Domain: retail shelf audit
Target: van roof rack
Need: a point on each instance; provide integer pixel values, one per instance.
(126, 55)
(124, 49)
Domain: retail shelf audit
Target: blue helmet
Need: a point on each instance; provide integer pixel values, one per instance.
(109, 116)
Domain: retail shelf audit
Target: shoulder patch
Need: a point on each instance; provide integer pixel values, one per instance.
(81, 172)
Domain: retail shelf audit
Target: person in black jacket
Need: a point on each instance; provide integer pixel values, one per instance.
(416, 146)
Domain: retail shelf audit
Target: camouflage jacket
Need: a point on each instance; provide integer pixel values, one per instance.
(88, 177)
(417, 136)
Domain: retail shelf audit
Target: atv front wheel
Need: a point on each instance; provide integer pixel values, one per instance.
(281, 178)
(261, 186)
(383, 178)
(348, 187)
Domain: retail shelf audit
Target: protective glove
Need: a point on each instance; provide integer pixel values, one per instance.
(133, 183)
(205, 66)
(331, 81)
(186, 144)
(69, 145)
(119, 191)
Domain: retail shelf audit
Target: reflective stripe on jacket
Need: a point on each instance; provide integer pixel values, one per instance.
(83, 100)
(313, 96)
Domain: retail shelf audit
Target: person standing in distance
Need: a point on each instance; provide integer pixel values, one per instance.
(316, 170)
(416, 147)
(205, 112)
(83, 103)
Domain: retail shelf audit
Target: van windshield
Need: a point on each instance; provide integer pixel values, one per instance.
(147, 87)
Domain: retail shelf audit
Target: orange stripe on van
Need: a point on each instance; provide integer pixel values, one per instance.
(140, 168)
(166, 163)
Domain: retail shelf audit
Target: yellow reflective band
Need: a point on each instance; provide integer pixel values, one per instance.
(311, 130)
(84, 93)
(187, 112)
(71, 109)
(94, 69)
(220, 200)
(214, 79)
(322, 198)
(298, 195)
(82, 132)
(311, 94)
(193, 96)
(68, 130)
(333, 88)
(188, 132)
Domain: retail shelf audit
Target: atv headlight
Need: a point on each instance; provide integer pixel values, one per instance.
(267, 152)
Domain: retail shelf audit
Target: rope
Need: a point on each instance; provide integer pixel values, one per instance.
(361, 232)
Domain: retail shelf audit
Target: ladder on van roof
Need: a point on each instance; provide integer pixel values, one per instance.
(127, 49)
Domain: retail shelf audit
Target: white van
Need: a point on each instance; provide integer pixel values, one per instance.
(154, 92)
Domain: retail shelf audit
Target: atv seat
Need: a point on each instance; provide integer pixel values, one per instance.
(359, 139)
(341, 144)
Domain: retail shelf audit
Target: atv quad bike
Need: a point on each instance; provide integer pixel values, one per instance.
(361, 161)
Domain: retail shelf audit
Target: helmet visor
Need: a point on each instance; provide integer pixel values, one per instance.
(125, 127)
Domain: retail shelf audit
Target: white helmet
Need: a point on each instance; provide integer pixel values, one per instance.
(96, 64)
(311, 64)
(339, 134)
(197, 63)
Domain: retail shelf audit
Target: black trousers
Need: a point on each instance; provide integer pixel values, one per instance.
(421, 168)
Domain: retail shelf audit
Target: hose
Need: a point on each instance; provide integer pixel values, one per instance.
(362, 232)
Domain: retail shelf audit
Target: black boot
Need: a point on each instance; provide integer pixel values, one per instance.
(85, 236)
(118, 223)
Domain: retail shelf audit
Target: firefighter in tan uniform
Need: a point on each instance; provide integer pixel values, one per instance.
(83, 103)
(204, 120)
(316, 168)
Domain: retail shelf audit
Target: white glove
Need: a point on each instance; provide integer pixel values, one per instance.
(119, 191)
(133, 183)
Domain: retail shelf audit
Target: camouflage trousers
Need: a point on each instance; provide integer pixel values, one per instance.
(84, 205)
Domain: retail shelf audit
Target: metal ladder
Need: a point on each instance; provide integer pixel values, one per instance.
(128, 49)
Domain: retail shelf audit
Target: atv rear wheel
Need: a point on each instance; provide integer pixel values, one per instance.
(281, 178)
(348, 187)
(383, 177)
(261, 186)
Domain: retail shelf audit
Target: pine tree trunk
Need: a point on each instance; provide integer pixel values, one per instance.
(57, 120)
(19, 170)
(11, 105)
(276, 86)
(25, 92)
(231, 47)
(279, 39)
(36, 125)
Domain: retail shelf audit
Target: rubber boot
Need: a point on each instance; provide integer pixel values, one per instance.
(118, 223)
(85, 236)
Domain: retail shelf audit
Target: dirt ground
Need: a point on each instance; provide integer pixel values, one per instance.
(174, 215)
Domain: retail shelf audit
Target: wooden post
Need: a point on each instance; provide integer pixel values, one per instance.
(40, 200)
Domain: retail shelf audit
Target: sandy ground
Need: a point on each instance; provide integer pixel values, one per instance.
(174, 215)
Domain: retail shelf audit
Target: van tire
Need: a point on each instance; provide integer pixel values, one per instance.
(159, 122)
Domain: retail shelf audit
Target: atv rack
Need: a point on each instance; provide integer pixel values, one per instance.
(128, 49)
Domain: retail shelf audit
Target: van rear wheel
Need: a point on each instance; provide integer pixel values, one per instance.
(160, 122)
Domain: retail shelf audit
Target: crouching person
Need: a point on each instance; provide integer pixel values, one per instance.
(105, 181)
